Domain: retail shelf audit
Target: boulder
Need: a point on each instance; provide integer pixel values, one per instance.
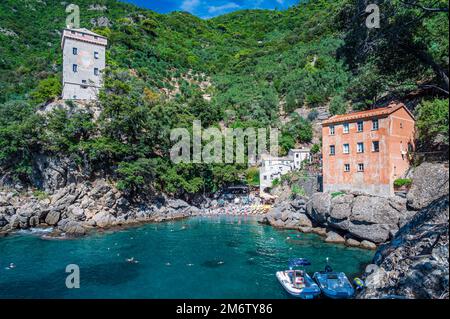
(177, 204)
(368, 245)
(286, 215)
(14, 222)
(430, 182)
(333, 237)
(341, 206)
(304, 221)
(34, 221)
(278, 224)
(74, 228)
(52, 217)
(373, 209)
(305, 229)
(104, 219)
(373, 218)
(298, 203)
(352, 242)
(378, 233)
(320, 207)
(319, 231)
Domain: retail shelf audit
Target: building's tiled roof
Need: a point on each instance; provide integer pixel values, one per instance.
(86, 31)
(383, 111)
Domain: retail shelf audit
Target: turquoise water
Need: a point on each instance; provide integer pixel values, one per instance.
(204, 257)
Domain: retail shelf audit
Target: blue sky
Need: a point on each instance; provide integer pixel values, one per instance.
(211, 8)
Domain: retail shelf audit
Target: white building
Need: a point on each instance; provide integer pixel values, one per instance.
(83, 63)
(274, 167)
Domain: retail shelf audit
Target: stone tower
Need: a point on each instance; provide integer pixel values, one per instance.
(83, 63)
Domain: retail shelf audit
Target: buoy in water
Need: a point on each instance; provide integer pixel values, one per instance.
(359, 283)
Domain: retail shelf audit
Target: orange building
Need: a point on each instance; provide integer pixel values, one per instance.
(366, 151)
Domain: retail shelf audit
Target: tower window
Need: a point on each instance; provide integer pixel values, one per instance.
(96, 55)
(75, 51)
(96, 71)
(75, 68)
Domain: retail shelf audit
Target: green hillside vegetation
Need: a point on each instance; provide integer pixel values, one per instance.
(314, 54)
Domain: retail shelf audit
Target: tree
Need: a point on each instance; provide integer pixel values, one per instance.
(411, 45)
(47, 90)
(338, 105)
(433, 122)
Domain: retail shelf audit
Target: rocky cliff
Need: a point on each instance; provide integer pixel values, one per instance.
(414, 264)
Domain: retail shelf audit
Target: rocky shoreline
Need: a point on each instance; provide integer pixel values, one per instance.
(77, 209)
(410, 234)
(357, 219)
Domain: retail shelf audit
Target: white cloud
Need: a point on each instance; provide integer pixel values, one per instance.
(189, 5)
(280, 1)
(222, 8)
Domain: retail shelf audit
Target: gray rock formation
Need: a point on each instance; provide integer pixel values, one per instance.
(365, 217)
(430, 182)
(415, 263)
(289, 214)
(333, 237)
(74, 209)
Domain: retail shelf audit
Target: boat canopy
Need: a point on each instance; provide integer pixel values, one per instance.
(298, 262)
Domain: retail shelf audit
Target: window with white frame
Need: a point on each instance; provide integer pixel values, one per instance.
(360, 167)
(360, 125)
(346, 167)
(332, 150)
(346, 128)
(332, 130)
(375, 124)
(360, 147)
(375, 146)
(346, 149)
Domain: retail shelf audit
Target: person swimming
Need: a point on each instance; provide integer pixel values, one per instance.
(132, 260)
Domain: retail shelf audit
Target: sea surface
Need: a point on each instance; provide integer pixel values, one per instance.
(202, 257)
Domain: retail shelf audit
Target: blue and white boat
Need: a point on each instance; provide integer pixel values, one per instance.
(297, 282)
(334, 284)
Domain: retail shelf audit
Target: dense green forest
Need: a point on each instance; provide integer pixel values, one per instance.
(254, 64)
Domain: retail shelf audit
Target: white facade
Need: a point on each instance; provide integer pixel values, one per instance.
(300, 155)
(274, 167)
(83, 64)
